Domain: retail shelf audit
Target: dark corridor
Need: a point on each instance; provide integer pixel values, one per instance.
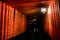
(25, 20)
(35, 29)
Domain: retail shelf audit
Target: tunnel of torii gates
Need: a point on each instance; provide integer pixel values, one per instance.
(13, 21)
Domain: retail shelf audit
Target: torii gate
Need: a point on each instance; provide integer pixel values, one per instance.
(9, 19)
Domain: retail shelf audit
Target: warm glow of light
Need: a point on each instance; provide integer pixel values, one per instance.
(50, 19)
(49, 10)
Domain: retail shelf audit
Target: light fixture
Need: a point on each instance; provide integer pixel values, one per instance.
(34, 20)
(43, 10)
